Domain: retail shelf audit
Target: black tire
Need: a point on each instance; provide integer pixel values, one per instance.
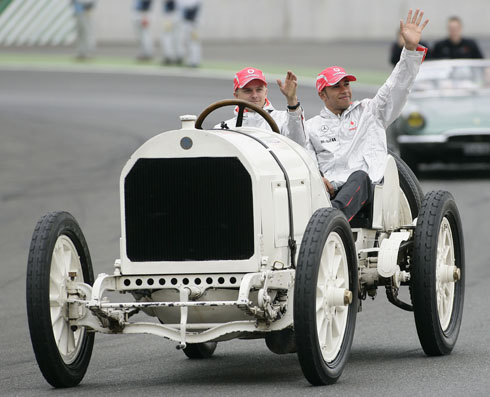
(200, 350)
(60, 370)
(409, 184)
(281, 342)
(437, 334)
(324, 223)
(410, 159)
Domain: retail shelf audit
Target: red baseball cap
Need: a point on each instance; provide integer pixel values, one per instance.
(331, 76)
(245, 76)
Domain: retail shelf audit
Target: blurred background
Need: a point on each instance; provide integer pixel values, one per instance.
(308, 34)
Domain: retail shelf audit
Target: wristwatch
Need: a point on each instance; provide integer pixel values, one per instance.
(294, 107)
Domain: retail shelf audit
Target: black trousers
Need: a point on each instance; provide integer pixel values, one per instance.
(352, 196)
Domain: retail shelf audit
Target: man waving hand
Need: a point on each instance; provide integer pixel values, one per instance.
(347, 138)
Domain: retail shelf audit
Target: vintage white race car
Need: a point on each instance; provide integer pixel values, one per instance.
(211, 221)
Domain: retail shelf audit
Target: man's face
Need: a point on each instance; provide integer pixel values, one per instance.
(338, 97)
(454, 29)
(254, 92)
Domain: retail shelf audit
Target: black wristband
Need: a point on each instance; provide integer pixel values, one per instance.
(294, 107)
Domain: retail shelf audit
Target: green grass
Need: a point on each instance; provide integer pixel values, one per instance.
(125, 63)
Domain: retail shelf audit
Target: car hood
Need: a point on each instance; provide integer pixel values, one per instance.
(448, 114)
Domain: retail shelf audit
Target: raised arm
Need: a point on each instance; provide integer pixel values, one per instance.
(392, 96)
(288, 88)
(293, 128)
(411, 30)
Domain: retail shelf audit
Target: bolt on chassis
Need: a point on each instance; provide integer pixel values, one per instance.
(210, 221)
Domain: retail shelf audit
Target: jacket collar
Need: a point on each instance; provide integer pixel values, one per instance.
(328, 114)
(267, 107)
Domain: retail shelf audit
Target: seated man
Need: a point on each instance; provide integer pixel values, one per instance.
(348, 139)
(250, 85)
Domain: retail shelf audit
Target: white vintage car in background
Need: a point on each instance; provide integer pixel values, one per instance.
(230, 234)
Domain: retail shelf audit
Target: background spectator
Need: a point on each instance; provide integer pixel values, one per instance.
(456, 46)
(85, 30)
(141, 21)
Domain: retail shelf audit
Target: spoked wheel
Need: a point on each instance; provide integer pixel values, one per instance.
(58, 251)
(325, 296)
(438, 273)
(200, 350)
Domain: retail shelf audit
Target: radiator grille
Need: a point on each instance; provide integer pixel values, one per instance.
(188, 209)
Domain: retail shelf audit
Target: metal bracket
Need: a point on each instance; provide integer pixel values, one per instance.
(184, 297)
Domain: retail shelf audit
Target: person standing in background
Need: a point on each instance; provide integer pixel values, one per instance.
(172, 54)
(189, 40)
(85, 31)
(141, 22)
(456, 46)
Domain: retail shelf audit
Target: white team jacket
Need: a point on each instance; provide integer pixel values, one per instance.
(356, 140)
(291, 124)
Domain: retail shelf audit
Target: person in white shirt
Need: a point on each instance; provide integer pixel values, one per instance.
(348, 139)
(250, 85)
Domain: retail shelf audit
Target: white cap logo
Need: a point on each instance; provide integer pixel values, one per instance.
(336, 69)
(250, 71)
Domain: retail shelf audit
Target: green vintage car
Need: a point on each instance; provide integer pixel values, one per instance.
(447, 115)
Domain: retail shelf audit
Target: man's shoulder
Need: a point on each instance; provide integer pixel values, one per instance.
(441, 43)
(468, 42)
(313, 121)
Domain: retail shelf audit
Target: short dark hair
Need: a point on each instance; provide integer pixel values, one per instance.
(455, 19)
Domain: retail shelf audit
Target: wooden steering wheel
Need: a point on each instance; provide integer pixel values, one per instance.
(241, 108)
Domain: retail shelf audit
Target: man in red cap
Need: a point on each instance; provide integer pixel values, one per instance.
(250, 85)
(348, 139)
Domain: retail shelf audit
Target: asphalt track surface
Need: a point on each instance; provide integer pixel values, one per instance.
(64, 138)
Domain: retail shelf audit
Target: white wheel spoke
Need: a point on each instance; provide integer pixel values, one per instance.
(332, 275)
(335, 326)
(329, 339)
(339, 282)
(322, 330)
(54, 300)
(445, 287)
(330, 257)
(336, 264)
(65, 339)
(71, 340)
(319, 301)
(65, 258)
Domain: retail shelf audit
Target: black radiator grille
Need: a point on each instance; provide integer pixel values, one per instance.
(189, 209)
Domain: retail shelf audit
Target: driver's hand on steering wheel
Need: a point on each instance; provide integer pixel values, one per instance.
(329, 187)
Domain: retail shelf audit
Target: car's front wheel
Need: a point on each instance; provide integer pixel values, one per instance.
(58, 252)
(325, 296)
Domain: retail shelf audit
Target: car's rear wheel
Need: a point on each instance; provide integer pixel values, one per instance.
(200, 350)
(57, 253)
(409, 184)
(438, 274)
(325, 296)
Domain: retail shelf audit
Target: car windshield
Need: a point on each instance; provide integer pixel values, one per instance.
(453, 77)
